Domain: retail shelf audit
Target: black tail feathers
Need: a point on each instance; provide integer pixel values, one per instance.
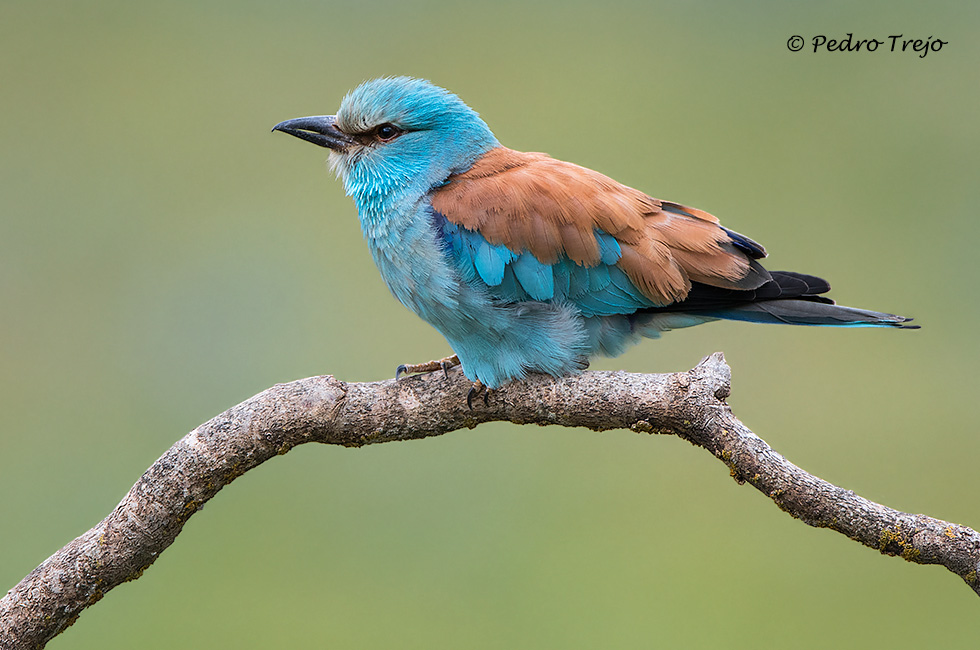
(788, 298)
(812, 312)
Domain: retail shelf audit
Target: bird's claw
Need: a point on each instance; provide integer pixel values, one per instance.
(476, 390)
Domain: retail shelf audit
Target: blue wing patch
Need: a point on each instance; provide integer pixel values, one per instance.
(601, 290)
(609, 250)
(490, 261)
(537, 279)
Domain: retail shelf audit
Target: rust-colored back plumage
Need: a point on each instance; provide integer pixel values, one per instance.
(550, 208)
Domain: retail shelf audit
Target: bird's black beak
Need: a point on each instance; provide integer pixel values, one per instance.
(319, 130)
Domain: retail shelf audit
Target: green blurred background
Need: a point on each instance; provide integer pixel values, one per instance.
(163, 256)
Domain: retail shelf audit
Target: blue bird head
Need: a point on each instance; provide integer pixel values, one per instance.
(395, 138)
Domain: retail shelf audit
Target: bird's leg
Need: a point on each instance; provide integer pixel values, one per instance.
(430, 366)
(476, 390)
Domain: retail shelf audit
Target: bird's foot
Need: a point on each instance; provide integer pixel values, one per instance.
(475, 391)
(430, 366)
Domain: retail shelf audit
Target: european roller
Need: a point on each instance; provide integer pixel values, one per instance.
(530, 264)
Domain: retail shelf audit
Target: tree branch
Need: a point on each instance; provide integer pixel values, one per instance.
(322, 409)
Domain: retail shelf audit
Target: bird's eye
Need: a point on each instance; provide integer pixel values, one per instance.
(387, 132)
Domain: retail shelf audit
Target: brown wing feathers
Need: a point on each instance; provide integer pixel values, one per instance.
(530, 201)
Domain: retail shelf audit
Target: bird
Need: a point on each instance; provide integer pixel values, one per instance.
(529, 264)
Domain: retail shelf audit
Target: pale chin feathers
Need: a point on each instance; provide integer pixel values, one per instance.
(338, 164)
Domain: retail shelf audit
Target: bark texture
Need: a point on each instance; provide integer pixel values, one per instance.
(322, 409)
